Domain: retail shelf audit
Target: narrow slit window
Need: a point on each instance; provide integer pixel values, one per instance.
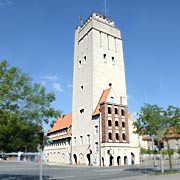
(117, 136)
(79, 63)
(113, 61)
(109, 110)
(110, 135)
(84, 59)
(81, 111)
(116, 123)
(109, 123)
(104, 57)
(123, 136)
(116, 110)
(122, 112)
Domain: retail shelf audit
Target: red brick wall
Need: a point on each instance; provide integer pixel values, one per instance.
(104, 122)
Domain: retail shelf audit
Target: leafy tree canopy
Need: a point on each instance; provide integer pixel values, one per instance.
(154, 120)
(159, 123)
(24, 107)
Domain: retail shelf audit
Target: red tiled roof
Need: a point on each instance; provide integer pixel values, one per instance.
(172, 133)
(62, 123)
(102, 99)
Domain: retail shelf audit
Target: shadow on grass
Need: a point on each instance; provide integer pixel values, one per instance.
(21, 177)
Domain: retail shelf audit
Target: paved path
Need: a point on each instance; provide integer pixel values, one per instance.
(153, 177)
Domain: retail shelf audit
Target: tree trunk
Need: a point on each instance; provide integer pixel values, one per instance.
(170, 159)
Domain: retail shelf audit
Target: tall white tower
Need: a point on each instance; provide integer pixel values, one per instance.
(99, 77)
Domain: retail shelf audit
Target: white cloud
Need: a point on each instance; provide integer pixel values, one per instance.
(50, 78)
(57, 87)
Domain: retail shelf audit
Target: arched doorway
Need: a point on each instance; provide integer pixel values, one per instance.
(125, 160)
(132, 158)
(81, 158)
(75, 158)
(89, 158)
(119, 160)
(111, 160)
(102, 161)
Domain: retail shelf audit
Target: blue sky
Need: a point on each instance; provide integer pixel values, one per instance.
(37, 36)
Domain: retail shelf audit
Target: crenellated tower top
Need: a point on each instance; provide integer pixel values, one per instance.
(98, 17)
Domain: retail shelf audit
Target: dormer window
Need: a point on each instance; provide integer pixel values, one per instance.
(112, 99)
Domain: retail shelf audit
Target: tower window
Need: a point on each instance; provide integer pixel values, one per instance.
(116, 110)
(88, 139)
(96, 146)
(75, 140)
(79, 63)
(110, 84)
(104, 57)
(109, 123)
(109, 110)
(110, 135)
(96, 129)
(82, 87)
(81, 111)
(81, 140)
(122, 112)
(124, 136)
(117, 136)
(123, 124)
(116, 123)
(84, 59)
(113, 61)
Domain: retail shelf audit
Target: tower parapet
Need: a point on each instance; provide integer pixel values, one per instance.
(99, 17)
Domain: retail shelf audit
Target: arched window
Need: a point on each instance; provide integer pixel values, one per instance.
(123, 124)
(109, 110)
(123, 136)
(122, 112)
(109, 123)
(117, 136)
(116, 123)
(110, 135)
(116, 110)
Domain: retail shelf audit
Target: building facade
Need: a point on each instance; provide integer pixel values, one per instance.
(101, 125)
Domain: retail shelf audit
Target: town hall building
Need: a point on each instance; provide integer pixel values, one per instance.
(99, 130)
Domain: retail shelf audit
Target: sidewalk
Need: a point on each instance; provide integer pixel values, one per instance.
(153, 177)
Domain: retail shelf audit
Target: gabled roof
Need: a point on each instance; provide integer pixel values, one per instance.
(102, 99)
(62, 123)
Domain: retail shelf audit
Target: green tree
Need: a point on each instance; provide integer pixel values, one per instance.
(24, 107)
(155, 121)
